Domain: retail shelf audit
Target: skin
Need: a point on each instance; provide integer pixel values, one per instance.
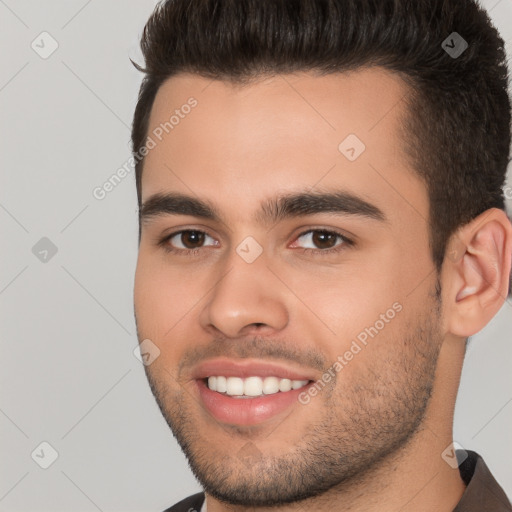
(358, 445)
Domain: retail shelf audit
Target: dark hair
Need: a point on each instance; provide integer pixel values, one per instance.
(458, 115)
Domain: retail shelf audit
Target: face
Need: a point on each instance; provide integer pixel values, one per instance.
(284, 243)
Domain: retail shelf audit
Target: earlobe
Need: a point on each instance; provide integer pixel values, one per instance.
(479, 278)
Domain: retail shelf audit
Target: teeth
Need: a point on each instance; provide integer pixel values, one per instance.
(285, 385)
(252, 386)
(270, 385)
(235, 386)
(221, 385)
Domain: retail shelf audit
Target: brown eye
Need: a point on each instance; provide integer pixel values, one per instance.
(188, 239)
(322, 239)
(191, 238)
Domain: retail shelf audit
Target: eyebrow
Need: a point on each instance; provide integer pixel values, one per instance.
(271, 211)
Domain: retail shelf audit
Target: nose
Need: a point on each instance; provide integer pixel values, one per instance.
(247, 297)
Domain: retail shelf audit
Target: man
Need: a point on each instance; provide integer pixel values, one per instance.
(322, 227)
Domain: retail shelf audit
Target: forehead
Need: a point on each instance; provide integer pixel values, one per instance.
(243, 142)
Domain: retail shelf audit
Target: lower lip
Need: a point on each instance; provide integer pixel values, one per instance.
(246, 411)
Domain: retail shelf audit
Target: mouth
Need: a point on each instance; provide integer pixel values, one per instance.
(249, 391)
(252, 386)
(242, 409)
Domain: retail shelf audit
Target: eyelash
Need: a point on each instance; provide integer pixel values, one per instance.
(314, 252)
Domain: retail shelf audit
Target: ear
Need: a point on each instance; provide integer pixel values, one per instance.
(476, 272)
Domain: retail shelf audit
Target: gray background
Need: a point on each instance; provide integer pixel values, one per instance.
(68, 373)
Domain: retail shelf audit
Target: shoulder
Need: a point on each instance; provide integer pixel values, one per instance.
(191, 504)
(483, 492)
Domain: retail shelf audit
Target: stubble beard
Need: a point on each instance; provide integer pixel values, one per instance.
(364, 422)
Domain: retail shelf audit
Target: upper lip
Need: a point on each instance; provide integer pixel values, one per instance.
(246, 368)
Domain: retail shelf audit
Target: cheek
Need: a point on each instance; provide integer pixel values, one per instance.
(155, 297)
(349, 297)
(165, 298)
(366, 301)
